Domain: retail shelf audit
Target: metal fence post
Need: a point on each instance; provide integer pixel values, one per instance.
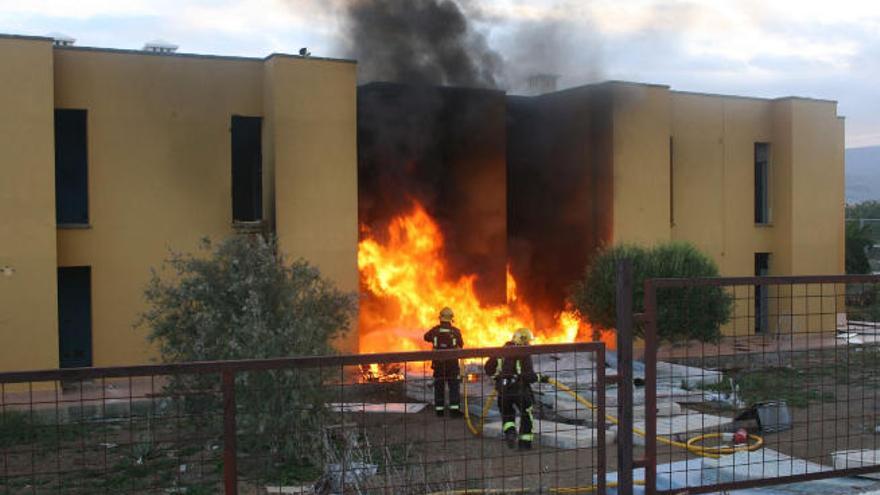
(650, 325)
(230, 465)
(624, 373)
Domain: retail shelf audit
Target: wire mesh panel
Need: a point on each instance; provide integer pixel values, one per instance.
(103, 435)
(342, 424)
(762, 381)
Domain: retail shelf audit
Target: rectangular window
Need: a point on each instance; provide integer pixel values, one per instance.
(75, 316)
(71, 167)
(247, 169)
(762, 183)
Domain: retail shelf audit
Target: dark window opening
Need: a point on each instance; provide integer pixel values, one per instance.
(247, 169)
(75, 316)
(762, 296)
(71, 167)
(762, 183)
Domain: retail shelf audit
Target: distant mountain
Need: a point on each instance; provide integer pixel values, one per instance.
(862, 174)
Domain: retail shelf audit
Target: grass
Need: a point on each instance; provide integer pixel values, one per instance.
(95, 456)
(18, 428)
(809, 378)
(793, 386)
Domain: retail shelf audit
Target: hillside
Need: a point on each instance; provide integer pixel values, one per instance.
(862, 174)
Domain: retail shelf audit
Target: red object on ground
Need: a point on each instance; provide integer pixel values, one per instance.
(741, 436)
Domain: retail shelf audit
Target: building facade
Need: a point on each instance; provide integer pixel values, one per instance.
(150, 152)
(112, 157)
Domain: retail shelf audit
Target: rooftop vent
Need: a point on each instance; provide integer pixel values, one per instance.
(61, 39)
(159, 46)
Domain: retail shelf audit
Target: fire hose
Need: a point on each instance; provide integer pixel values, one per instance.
(693, 445)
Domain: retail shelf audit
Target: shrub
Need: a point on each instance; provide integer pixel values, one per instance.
(682, 313)
(241, 300)
(858, 240)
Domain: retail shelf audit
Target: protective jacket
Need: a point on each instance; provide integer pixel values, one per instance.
(446, 372)
(513, 377)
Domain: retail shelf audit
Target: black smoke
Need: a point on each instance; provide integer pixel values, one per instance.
(419, 42)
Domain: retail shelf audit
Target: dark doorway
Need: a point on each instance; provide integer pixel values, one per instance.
(75, 316)
(762, 310)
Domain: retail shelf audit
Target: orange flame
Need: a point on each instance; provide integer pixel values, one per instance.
(407, 277)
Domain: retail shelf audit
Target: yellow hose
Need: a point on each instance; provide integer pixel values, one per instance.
(692, 445)
(569, 489)
(467, 413)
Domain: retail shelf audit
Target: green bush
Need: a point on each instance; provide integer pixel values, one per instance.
(241, 300)
(858, 240)
(682, 313)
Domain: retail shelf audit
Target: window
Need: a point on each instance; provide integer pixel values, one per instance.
(762, 183)
(71, 167)
(247, 169)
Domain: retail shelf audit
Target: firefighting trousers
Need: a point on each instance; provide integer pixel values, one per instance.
(446, 376)
(441, 383)
(509, 402)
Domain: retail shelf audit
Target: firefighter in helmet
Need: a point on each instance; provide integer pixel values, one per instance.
(514, 376)
(446, 372)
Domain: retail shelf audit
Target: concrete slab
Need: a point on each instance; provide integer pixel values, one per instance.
(672, 476)
(697, 472)
(843, 459)
(556, 435)
(685, 425)
(388, 408)
(565, 364)
(567, 407)
(664, 409)
(689, 376)
(760, 464)
(290, 490)
(564, 405)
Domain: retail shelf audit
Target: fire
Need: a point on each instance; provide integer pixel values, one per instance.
(408, 279)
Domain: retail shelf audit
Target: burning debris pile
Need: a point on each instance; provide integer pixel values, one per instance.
(467, 199)
(406, 279)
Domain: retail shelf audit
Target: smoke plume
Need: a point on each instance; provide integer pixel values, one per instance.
(419, 42)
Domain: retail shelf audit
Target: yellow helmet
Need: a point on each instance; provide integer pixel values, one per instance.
(522, 336)
(446, 315)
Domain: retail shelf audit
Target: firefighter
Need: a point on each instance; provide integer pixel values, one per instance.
(514, 376)
(446, 372)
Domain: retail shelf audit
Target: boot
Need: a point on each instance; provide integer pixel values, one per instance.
(510, 438)
(455, 412)
(525, 445)
(439, 411)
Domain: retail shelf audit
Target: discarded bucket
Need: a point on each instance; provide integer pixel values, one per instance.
(773, 416)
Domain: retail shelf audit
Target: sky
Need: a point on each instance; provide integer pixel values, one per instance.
(767, 48)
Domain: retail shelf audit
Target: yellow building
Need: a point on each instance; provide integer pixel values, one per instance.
(143, 143)
(111, 157)
(757, 184)
(710, 158)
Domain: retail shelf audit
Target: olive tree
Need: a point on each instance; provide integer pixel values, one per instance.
(240, 299)
(682, 313)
